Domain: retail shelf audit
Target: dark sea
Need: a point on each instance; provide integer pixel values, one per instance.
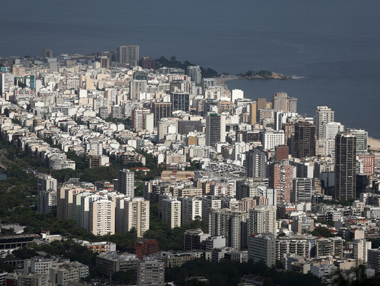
(333, 45)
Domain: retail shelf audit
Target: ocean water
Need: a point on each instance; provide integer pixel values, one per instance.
(333, 45)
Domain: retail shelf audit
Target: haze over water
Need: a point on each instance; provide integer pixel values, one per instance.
(334, 45)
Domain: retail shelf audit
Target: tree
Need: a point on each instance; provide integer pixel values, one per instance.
(356, 277)
(265, 73)
(322, 231)
(195, 282)
(24, 253)
(128, 277)
(227, 272)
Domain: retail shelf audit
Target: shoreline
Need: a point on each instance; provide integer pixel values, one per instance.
(221, 80)
(374, 143)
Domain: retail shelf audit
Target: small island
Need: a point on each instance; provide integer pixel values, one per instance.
(263, 74)
(209, 72)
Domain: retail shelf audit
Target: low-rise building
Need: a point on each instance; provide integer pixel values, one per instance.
(110, 263)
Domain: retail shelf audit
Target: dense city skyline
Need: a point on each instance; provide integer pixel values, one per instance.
(121, 144)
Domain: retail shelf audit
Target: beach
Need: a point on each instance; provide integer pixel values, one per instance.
(374, 144)
(221, 81)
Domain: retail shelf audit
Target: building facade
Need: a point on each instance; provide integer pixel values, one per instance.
(126, 182)
(128, 54)
(345, 166)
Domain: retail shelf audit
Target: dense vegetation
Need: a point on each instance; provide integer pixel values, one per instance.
(18, 205)
(356, 277)
(229, 272)
(169, 239)
(375, 243)
(322, 231)
(17, 194)
(173, 63)
(263, 73)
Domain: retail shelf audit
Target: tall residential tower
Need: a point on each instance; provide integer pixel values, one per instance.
(345, 166)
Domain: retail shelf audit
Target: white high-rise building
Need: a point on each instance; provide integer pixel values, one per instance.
(6, 82)
(191, 209)
(94, 145)
(81, 208)
(273, 138)
(195, 73)
(149, 122)
(139, 117)
(127, 183)
(325, 145)
(237, 94)
(47, 194)
(102, 217)
(40, 265)
(262, 219)
(268, 193)
(361, 247)
(279, 119)
(136, 215)
(331, 129)
(171, 212)
(323, 115)
(137, 86)
(209, 203)
(232, 224)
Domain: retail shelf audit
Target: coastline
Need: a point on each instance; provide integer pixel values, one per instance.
(374, 144)
(222, 82)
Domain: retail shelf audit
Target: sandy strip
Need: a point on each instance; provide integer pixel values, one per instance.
(221, 81)
(374, 144)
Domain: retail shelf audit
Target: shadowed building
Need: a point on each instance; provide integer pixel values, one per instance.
(304, 139)
(128, 54)
(345, 166)
(161, 110)
(256, 164)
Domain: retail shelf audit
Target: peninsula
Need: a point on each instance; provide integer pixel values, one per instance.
(263, 74)
(209, 72)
